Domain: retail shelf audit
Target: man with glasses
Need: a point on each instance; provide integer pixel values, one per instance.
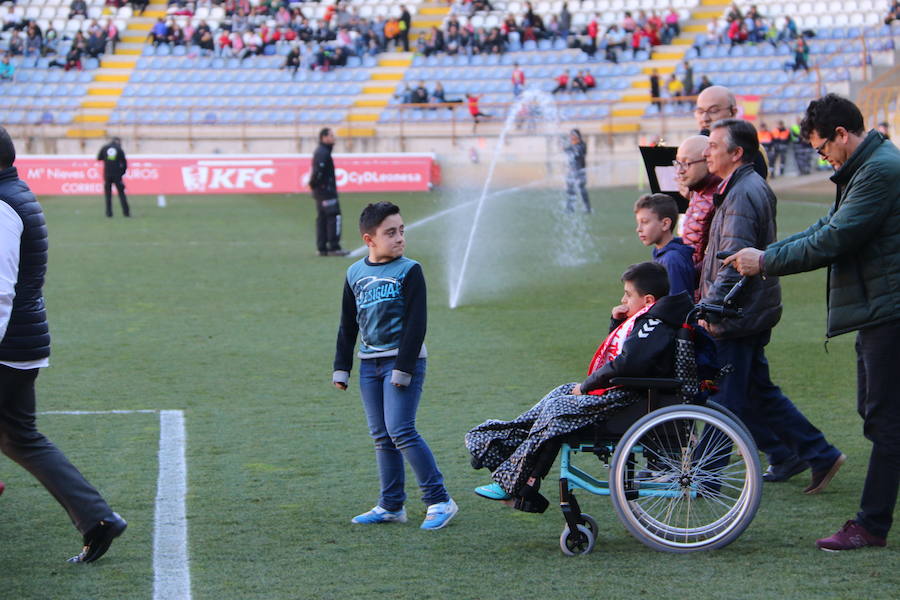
(717, 102)
(745, 216)
(698, 185)
(859, 242)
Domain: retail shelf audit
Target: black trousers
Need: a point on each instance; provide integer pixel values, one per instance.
(123, 200)
(328, 225)
(878, 403)
(22, 442)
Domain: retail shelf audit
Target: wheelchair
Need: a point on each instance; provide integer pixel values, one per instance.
(683, 472)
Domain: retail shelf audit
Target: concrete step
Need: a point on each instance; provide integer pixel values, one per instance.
(112, 77)
(104, 91)
(378, 89)
(356, 132)
(105, 104)
(372, 102)
(620, 127)
(117, 62)
(91, 118)
(395, 62)
(86, 133)
(387, 76)
(362, 117)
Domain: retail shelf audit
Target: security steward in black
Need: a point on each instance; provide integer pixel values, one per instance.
(24, 350)
(323, 184)
(114, 166)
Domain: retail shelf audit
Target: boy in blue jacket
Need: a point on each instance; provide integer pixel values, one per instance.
(656, 215)
(384, 302)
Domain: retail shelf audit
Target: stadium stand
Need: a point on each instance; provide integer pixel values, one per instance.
(138, 82)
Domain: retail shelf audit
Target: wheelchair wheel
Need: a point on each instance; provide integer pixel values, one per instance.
(730, 414)
(573, 543)
(685, 478)
(591, 523)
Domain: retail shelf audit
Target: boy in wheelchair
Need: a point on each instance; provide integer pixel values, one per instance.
(641, 343)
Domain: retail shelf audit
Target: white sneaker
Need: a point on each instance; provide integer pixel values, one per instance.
(380, 515)
(438, 515)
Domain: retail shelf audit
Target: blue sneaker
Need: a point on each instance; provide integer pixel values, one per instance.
(492, 491)
(438, 515)
(380, 515)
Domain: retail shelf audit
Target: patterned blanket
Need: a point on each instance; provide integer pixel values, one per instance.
(510, 448)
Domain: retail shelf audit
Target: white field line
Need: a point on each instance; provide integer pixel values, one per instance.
(363, 249)
(171, 565)
(171, 568)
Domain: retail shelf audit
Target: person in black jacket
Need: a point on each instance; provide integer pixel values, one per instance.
(114, 167)
(323, 184)
(24, 351)
(641, 343)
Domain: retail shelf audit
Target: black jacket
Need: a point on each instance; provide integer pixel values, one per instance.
(114, 163)
(321, 178)
(649, 350)
(744, 217)
(27, 333)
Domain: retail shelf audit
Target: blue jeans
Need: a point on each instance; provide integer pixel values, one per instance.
(778, 427)
(391, 414)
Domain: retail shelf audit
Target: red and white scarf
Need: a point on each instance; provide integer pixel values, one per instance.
(612, 345)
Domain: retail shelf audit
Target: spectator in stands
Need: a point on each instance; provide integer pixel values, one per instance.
(253, 44)
(16, 45)
(392, 33)
(565, 21)
(589, 81)
(518, 79)
(405, 25)
(672, 28)
(704, 84)
(7, 69)
(434, 42)
(493, 43)
(78, 8)
(801, 54)
(34, 42)
(96, 45)
(654, 88)
(615, 43)
(10, 19)
(111, 34)
(675, 88)
(510, 30)
(737, 32)
(139, 6)
(420, 94)
(593, 33)
(789, 32)
(292, 60)
(73, 59)
(51, 42)
(562, 82)
(474, 110)
(159, 33)
(687, 78)
(714, 33)
(482, 5)
(893, 13)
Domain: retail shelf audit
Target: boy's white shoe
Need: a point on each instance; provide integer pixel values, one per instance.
(380, 515)
(438, 515)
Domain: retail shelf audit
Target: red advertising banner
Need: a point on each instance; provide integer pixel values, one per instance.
(228, 174)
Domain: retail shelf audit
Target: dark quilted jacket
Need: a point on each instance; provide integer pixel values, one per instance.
(27, 334)
(858, 240)
(744, 216)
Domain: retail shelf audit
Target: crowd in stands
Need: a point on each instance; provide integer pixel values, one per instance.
(28, 40)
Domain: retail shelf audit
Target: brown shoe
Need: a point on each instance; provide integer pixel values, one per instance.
(821, 479)
(852, 536)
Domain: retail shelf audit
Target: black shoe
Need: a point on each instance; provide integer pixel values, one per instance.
(784, 471)
(321, 253)
(99, 538)
(338, 252)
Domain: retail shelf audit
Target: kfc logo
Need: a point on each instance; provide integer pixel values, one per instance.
(203, 178)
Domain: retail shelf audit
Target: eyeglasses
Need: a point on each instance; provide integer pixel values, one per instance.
(683, 166)
(712, 110)
(819, 149)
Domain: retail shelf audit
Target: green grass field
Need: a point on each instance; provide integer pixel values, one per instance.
(218, 306)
